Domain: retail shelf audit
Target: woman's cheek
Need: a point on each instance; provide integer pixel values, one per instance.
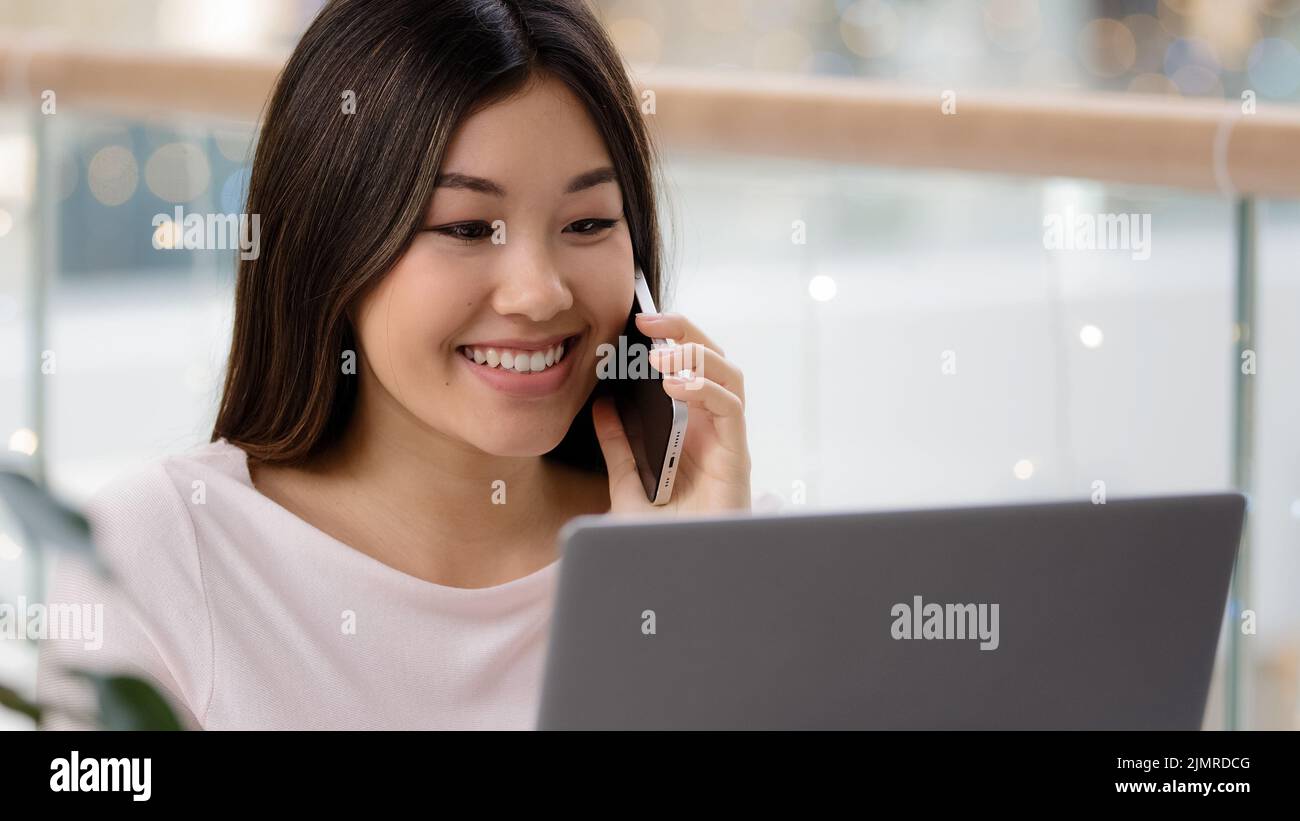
(420, 310)
(397, 331)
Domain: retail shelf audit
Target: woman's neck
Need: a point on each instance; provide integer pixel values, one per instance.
(434, 507)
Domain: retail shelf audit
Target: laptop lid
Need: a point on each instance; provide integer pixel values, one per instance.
(1049, 615)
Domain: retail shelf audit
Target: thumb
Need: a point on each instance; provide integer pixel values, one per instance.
(619, 462)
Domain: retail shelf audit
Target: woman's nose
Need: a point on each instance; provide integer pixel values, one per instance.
(531, 285)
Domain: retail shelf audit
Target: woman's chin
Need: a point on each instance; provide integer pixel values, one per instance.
(520, 446)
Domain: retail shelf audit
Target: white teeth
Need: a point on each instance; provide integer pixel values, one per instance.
(517, 361)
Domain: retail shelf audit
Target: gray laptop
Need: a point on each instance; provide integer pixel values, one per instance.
(1066, 615)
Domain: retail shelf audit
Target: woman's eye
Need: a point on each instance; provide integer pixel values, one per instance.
(471, 232)
(466, 232)
(590, 226)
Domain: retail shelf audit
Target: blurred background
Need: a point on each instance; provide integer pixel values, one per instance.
(909, 339)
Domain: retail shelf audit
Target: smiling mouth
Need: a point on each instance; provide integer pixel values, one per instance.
(519, 361)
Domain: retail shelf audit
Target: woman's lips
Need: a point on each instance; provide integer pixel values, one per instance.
(530, 384)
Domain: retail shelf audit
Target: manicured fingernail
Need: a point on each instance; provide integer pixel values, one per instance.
(650, 317)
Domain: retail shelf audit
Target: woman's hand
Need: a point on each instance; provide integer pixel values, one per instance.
(713, 470)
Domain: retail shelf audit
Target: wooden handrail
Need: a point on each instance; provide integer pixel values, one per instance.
(1196, 144)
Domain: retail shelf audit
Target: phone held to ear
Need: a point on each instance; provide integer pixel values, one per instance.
(655, 422)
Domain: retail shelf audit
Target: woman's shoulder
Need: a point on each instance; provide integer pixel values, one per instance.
(148, 594)
(177, 474)
(158, 501)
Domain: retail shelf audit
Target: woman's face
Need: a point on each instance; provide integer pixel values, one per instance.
(555, 269)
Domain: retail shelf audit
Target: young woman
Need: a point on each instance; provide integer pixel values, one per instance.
(454, 196)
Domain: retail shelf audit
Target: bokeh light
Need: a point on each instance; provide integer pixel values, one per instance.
(1274, 68)
(1172, 17)
(1192, 65)
(822, 288)
(870, 28)
(23, 440)
(168, 235)
(1197, 80)
(17, 166)
(113, 175)
(234, 145)
(1152, 42)
(1107, 47)
(1013, 25)
(178, 172)
(234, 192)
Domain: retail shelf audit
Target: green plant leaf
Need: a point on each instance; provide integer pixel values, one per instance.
(46, 518)
(130, 703)
(11, 700)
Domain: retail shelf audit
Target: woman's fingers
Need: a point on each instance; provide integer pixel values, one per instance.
(727, 409)
(675, 327)
(613, 445)
(700, 361)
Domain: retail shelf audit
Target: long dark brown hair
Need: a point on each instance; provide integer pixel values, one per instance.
(342, 193)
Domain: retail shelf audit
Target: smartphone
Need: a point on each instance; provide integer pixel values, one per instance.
(655, 422)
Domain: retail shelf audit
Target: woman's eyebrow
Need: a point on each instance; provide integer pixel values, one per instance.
(468, 182)
(591, 179)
